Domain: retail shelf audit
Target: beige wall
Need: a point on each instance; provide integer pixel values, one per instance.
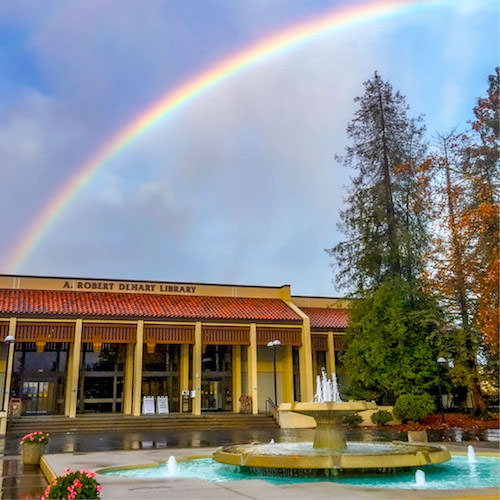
(152, 287)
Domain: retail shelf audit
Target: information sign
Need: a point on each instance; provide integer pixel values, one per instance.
(148, 405)
(162, 404)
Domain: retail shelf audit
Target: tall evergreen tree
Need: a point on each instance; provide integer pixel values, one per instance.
(383, 219)
(391, 343)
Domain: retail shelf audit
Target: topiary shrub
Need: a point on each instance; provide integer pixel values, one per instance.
(381, 417)
(413, 407)
(353, 420)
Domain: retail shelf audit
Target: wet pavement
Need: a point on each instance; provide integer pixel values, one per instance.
(144, 439)
(196, 488)
(18, 482)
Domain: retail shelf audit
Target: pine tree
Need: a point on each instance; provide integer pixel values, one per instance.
(383, 220)
(392, 337)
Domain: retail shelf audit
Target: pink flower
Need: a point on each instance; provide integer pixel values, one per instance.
(99, 488)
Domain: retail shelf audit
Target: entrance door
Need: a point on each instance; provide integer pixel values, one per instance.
(211, 395)
(38, 397)
(216, 381)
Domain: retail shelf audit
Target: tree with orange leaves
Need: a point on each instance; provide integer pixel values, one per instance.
(463, 263)
(482, 168)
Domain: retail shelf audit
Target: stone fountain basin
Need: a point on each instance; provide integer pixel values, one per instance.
(375, 456)
(330, 411)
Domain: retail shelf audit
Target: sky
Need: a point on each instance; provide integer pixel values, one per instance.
(241, 184)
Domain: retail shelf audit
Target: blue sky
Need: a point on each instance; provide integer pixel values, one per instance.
(241, 185)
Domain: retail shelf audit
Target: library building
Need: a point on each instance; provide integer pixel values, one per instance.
(75, 346)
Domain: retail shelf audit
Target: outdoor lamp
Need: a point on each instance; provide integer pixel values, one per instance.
(441, 362)
(274, 344)
(9, 339)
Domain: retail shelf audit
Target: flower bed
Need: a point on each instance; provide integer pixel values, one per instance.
(452, 420)
(73, 485)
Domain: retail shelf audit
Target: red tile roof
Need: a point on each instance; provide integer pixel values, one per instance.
(105, 304)
(322, 317)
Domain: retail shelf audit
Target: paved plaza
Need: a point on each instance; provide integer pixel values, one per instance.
(193, 488)
(98, 450)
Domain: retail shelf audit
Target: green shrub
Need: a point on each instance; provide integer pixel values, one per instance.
(353, 419)
(381, 417)
(413, 407)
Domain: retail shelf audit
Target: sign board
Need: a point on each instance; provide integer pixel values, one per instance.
(162, 404)
(148, 405)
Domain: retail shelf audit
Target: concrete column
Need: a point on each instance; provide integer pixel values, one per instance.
(137, 392)
(314, 368)
(305, 363)
(128, 380)
(287, 373)
(197, 369)
(330, 355)
(252, 368)
(75, 368)
(67, 392)
(184, 372)
(236, 378)
(8, 376)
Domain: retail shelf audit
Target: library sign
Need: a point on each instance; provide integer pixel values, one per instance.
(128, 286)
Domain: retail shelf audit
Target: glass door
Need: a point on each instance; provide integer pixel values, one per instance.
(38, 397)
(217, 379)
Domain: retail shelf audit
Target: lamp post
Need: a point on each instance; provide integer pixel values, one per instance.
(274, 344)
(441, 362)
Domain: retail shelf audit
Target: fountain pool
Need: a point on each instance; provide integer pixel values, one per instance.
(455, 474)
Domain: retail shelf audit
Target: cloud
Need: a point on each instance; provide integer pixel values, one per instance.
(241, 184)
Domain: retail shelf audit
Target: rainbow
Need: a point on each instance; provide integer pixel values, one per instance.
(187, 92)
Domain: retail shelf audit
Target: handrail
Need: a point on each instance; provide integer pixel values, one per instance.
(274, 412)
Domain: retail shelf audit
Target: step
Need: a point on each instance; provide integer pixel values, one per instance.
(97, 423)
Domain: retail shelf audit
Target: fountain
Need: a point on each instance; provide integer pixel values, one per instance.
(471, 454)
(172, 466)
(330, 453)
(419, 477)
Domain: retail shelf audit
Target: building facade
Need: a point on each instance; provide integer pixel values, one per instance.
(100, 346)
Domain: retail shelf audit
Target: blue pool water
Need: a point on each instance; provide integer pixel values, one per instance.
(455, 474)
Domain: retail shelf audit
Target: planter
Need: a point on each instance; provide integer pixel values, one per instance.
(417, 437)
(31, 453)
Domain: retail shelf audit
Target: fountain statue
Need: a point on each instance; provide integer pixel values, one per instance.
(330, 453)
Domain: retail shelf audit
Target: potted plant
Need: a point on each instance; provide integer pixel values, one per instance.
(32, 446)
(412, 409)
(73, 485)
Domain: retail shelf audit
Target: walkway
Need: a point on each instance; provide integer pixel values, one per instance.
(197, 489)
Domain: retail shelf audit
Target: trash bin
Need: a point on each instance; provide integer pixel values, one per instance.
(15, 407)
